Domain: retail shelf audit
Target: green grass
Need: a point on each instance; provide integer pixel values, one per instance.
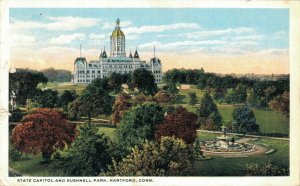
(184, 93)
(268, 121)
(33, 165)
(109, 132)
(219, 166)
(61, 87)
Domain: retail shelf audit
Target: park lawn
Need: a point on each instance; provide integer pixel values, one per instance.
(184, 93)
(219, 166)
(109, 132)
(33, 165)
(269, 121)
(61, 87)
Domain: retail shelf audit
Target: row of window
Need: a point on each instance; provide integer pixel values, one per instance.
(83, 80)
(87, 76)
(156, 71)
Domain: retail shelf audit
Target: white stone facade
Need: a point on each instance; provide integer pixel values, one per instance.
(118, 62)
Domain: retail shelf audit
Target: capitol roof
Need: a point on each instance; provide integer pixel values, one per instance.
(117, 32)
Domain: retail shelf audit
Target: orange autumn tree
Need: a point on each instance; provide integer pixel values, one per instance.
(180, 123)
(43, 131)
(121, 105)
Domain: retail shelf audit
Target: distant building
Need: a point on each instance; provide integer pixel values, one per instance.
(118, 62)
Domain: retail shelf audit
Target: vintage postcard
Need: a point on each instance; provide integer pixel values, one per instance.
(150, 92)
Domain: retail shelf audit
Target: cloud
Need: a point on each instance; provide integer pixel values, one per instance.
(222, 32)
(56, 23)
(98, 36)
(181, 44)
(66, 39)
(22, 40)
(160, 28)
(274, 51)
(249, 37)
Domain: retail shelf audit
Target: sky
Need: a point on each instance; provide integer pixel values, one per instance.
(219, 40)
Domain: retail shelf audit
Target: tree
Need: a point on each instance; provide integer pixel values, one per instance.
(162, 97)
(95, 99)
(244, 120)
(267, 168)
(192, 98)
(180, 123)
(169, 157)
(43, 131)
(281, 103)
(115, 81)
(237, 95)
(139, 99)
(23, 84)
(139, 123)
(46, 98)
(66, 97)
(90, 153)
(208, 113)
(57, 75)
(171, 88)
(144, 81)
(251, 98)
(121, 106)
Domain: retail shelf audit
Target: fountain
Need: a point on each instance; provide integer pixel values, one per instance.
(226, 144)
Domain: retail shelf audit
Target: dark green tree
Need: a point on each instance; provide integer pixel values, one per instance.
(23, 83)
(46, 98)
(244, 120)
(139, 123)
(208, 113)
(144, 81)
(237, 95)
(251, 98)
(57, 75)
(192, 98)
(95, 99)
(115, 81)
(90, 153)
(66, 97)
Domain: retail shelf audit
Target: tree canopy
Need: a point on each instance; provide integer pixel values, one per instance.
(89, 155)
(281, 103)
(95, 99)
(23, 84)
(179, 123)
(209, 116)
(43, 130)
(144, 81)
(244, 120)
(139, 123)
(121, 106)
(168, 157)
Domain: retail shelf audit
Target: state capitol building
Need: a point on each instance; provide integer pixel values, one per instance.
(117, 61)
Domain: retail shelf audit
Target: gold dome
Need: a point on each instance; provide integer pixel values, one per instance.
(117, 32)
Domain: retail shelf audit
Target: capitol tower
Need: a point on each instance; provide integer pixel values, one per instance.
(85, 72)
(117, 42)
